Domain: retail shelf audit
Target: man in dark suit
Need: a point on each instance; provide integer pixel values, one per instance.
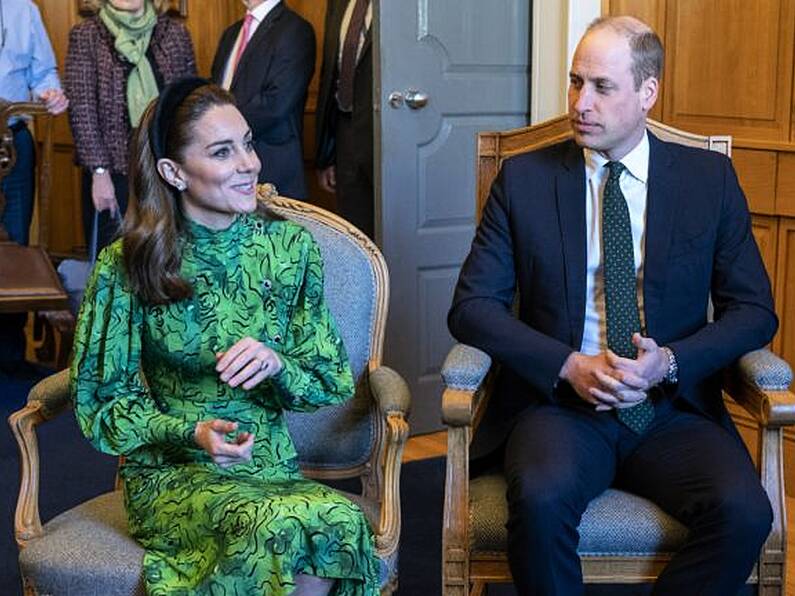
(345, 112)
(611, 372)
(266, 61)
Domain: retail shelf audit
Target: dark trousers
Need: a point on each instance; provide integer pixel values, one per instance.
(560, 457)
(18, 188)
(354, 169)
(108, 225)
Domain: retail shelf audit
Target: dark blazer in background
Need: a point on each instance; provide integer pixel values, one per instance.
(270, 87)
(532, 238)
(357, 153)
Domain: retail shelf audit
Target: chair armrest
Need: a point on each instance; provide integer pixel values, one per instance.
(52, 394)
(48, 398)
(390, 391)
(392, 395)
(465, 372)
(759, 382)
(465, 368)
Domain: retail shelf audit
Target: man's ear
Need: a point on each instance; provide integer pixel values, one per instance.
(171, 173)
(649, 90)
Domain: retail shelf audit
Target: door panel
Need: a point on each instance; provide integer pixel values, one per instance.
(471, 60)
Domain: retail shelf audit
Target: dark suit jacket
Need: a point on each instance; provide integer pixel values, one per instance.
(270, 87)
(532, 238)
(362, 115)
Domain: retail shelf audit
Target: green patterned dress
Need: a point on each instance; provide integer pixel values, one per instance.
(143, 375)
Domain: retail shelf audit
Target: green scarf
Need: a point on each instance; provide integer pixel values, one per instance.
(132, 34)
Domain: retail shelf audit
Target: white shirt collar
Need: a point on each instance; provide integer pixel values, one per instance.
(636, 161)
(263, 9)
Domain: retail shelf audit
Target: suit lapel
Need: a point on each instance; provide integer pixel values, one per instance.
(661, 204)
(258, 43)
(570, 195)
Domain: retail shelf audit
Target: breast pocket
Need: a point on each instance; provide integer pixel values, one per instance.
(695, 246)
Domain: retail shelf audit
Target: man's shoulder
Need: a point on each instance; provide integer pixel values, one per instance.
(292, 19)
(685, 155)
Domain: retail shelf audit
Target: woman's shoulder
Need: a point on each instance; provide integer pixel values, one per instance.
(110, 262)
(88, 27)
(167, 25)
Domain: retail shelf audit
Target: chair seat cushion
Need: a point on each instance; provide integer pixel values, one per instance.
(615, 523)
(88, 551)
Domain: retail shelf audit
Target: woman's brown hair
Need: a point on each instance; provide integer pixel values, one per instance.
(153, 222)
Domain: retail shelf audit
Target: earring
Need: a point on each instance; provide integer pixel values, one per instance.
(180, 185)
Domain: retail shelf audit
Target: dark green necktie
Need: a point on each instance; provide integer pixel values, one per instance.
(621, 300)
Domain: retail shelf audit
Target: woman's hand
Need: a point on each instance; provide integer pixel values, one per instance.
(248, 362)
(103, 194)
(210, 435)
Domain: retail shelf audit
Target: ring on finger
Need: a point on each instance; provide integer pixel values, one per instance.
(263, 364)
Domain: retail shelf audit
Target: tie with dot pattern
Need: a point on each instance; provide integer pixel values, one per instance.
(621, 300)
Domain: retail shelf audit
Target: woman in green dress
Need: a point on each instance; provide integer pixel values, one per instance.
(199, 326)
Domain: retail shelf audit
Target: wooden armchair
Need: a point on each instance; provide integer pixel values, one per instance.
(623, 538)
(87, 549)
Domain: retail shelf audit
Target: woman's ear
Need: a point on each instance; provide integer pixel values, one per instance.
(171, 173)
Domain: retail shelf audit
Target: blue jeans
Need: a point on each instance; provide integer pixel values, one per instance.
(18, 189)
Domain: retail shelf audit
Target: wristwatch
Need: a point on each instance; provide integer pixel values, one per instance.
(99, 170)
(672, 376)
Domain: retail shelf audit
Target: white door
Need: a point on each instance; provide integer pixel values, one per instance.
(445, 69)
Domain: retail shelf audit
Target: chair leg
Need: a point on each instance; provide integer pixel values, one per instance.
(479, 588)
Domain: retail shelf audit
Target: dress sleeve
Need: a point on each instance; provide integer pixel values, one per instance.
(315, 369)
(113, 406)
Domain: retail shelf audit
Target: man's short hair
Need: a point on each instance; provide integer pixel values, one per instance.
(645, 45)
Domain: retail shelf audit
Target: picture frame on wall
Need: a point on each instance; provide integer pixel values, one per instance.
(175, 7)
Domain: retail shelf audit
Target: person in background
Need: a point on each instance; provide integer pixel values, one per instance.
(199, 326)
(611, 372)
(117, 62)
(267, 60)
(344, 156)
(27, 72)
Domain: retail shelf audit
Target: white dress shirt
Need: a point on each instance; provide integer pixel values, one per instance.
(634, 186)
(259, 13)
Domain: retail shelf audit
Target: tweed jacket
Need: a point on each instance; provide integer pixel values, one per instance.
(96, 84)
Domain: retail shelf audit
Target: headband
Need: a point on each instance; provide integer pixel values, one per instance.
(169, 101)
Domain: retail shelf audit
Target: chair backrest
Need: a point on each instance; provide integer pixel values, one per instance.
(495, 147)
(342, 438)
(44, 165)
(27, 278)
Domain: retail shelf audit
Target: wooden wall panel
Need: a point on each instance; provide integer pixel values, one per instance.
(785, 288)
(757, 173)
(730, 67)
(785, 186)
(765, 230)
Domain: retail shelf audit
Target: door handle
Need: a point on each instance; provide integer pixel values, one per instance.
(414, 99)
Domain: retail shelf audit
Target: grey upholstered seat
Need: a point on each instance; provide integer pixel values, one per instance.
(87, 549)
(615, 523)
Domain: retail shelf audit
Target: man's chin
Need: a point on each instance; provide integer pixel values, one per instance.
(586, 140)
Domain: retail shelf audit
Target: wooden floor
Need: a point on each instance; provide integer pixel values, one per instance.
(433, 445)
